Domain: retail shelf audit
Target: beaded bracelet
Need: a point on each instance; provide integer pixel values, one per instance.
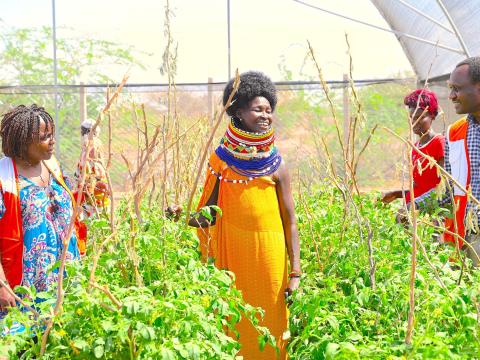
(295, 274)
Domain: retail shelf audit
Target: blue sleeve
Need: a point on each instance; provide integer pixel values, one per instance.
(447, 199)
(2, 203)
(68, 180)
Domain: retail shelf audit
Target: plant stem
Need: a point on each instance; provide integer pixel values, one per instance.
(411, 312)
(76, 210)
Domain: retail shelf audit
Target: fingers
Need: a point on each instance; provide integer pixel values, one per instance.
(7, 303)
(11, 301)
(293, 284)
(176, 208)
(288, 296)
(173, 212)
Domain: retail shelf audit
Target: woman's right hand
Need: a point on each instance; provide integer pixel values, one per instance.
(6, 299)
(173, 212)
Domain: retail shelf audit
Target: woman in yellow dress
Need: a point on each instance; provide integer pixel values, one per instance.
(257, 232)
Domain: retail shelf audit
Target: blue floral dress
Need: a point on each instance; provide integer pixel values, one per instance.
(46, 213)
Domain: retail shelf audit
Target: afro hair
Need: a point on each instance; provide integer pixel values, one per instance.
(252, 84)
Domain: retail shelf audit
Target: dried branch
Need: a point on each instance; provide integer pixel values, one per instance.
(309, 217)
(236, 83)
(411, 312)
(326, 90)
(76, 210)
(107, 292)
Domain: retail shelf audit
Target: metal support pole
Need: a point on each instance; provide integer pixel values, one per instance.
(210, 100)
(229, 43)
(55, 79)
(454, 27)
(396, 32)
(421, 13)
(83, 103)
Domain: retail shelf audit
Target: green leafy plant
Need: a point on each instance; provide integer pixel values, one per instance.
(185, 309)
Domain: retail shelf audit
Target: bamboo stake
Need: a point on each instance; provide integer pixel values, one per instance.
(411, 312)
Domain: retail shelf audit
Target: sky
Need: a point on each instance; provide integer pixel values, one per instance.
(264, 35)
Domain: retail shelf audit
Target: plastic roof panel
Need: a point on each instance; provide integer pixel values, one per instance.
(428, 60)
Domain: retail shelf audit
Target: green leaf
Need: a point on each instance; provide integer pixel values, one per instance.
(107, 325)
(98, 351)
(331, 350)
(80, 344)
(217, 209)
(205, 211)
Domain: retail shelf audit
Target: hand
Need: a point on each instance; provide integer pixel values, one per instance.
(402, 216)
(6, 299)
(294, 283)
(173, 212)
(388, 197)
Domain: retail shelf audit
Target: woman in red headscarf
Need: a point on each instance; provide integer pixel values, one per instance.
(423, 108)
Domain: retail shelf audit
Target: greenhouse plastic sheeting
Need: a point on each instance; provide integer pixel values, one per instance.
(430, 61)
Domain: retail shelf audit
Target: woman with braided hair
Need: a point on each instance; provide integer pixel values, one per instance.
(36, 203)
(256, 235)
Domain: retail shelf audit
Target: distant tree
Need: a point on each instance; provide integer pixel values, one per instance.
(26, 58)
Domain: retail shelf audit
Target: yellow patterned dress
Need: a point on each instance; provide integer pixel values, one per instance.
(248, 239)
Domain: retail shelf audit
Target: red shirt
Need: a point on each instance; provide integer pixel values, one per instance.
(427, 178)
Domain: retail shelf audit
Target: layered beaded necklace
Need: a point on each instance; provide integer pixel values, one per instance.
(248, 154)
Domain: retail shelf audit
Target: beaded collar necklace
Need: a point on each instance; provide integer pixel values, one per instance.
(247, 145)
(248, 154)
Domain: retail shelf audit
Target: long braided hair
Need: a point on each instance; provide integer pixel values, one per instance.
(20, 127)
